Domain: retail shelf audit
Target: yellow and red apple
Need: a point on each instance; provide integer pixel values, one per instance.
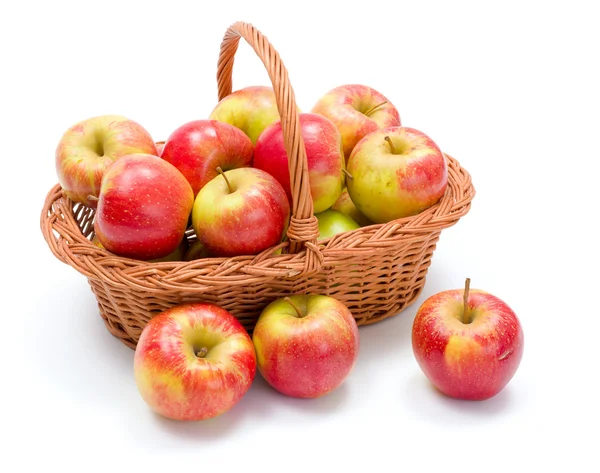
(144, 207)
(306, 345)
(198, 148)
(356, 110)
(324, 156)
(469, 343)
(250, 109)
(396, 172)
(193, 362)
(240, 212)
(89, 147)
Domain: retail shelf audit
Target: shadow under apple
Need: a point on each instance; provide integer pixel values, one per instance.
(429, 404)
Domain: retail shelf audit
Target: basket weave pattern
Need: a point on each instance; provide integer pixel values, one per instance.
(376, 270)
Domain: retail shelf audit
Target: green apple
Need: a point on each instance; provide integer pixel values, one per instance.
(250, 109)
(332, 222)
(345, 205)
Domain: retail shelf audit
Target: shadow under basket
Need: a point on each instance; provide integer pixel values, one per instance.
(376, 270)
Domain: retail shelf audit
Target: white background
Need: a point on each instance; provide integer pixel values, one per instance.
(511, 91)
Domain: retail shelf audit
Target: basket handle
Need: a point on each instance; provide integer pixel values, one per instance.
(303, 229)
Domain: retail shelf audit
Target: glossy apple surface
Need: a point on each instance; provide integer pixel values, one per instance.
(144, 207)
(332, 222)
(250, 109)
(467, 358)
(89, 147)
(306, 346)
(198, 148)
(194, 362)
(242, 212)
(356, 110)
(324, 156)
(345, 205)
(177, 255)
(396, 172)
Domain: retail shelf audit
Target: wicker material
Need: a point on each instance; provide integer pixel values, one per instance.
(376, 271)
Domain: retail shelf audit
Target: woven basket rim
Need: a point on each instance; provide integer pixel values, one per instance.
(303, 254)
(65, 238)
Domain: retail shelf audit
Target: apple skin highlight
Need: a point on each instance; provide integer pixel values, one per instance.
(474, 360)
(177, 383)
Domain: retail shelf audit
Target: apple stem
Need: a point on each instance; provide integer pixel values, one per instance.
(391, 143)
(375, 108)
(93, 198)
(202, 352)
(465, 319)
(220, 171)
(348, 175)
(296, 308)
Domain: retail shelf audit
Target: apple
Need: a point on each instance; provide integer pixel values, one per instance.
(194, 361)
(306, 345)
(332, 222)
(199, 147)
(143, 208)
(89, 147)
(323, 153)
(468, 343)
(250, 109)
(177, 255)
(241, 212)
(396, 172)
(345, 205)
(197, 250)
(356, 110)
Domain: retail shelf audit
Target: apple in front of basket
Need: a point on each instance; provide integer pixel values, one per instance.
(306, 345)
(194, 361)
(469, 343)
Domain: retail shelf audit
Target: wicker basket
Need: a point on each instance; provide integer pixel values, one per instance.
(376, 270)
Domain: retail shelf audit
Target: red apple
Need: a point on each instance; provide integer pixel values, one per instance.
(89, 147)
(467, 354)
(396, 172)
(306, 345)
(241, 212)
(193, 362)
(199, 147)
(356, 110)
(177, 255)
(144, 207)
(323, 152)
(250, 109)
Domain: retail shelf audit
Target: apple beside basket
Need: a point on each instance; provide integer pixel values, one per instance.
(376, 270)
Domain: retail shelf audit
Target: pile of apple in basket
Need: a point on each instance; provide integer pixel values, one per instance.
(228, 177)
